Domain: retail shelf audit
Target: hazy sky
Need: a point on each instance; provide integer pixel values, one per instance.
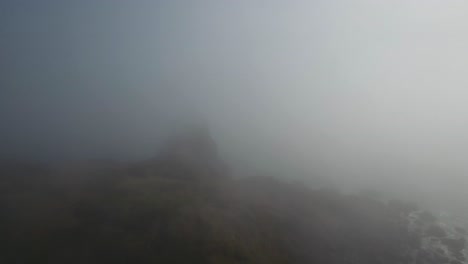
(355, 88)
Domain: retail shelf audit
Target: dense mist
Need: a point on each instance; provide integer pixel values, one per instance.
(356, 94)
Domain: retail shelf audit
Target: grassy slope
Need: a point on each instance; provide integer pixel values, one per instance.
(121, 215)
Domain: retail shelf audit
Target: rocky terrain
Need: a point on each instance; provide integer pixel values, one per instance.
(185, 207)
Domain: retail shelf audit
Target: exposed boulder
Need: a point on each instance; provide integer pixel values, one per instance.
(427, 217)
(435, 231)
(455, 245)
(191, 155)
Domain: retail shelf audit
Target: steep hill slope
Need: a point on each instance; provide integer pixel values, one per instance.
(183, 207)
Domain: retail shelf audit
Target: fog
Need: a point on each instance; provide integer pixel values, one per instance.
(363, 93)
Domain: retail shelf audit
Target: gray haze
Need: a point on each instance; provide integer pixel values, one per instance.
(365, 93)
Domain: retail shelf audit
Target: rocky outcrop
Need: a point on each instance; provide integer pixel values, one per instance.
(192, 156)
(440, 242)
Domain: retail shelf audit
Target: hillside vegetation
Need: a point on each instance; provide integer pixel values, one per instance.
(184, 207)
